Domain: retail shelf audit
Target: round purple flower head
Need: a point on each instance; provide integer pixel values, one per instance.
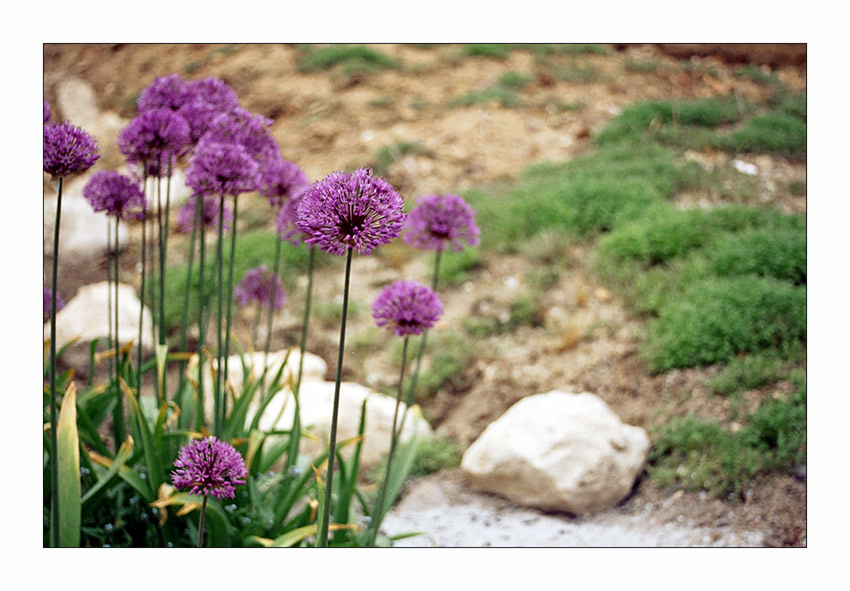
(210, 213)
(282, 180)
(60, 303)
(240, 126)
(222, 169)
(68, 150)
(210, 98)
(46, 111)
(287, 222)
(153, 137)
(116, 194)
(350, 210)
(167, 92)
(258, 285)
(407, 307)
(209, 467)
(441, 221)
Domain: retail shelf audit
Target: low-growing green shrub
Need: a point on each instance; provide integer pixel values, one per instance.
(434, 455)
(456, 268)
(770, 133)
(717, 319)
(748, 373)
(701, 455)
(765, 251)
(506, 97)
(351, 58)
(494, 50)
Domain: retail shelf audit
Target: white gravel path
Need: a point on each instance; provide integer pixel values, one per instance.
(451, 517)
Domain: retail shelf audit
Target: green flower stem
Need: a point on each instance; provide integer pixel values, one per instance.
(184, 344)
(267, 346)
(202, 330)
(378, 513)
(118, 411)
(220, 318)
(153, 307)
(307, 306)
(323, 538)
(109, 315)
(54, 413)
(411, 392)
(141, 305)
(201, 523)
(163, 247)
(229, 294)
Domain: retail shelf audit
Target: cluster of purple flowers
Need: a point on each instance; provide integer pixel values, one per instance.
(441, 221)
(68, 150)
(153, 139)
(209, 467)
(261, 286)
(407, 308)
(116, 194)
(350, 211)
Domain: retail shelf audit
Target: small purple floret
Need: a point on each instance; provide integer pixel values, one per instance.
(258, 285)
(116, 194)
(441, 221)
(209, 467)
(350, 211)
(407, 308)
(68, 150)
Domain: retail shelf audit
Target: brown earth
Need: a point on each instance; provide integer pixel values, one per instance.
(584, 339)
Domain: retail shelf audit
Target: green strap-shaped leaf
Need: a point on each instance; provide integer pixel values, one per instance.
(120, 459)
(68, 458)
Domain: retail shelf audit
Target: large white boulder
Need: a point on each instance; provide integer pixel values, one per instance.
(558, 451)
(82, 231)
(85, 316)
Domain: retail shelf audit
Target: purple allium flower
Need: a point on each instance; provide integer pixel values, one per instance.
(60, 303)
(46, 111)
(407, 307)
(116, 194)
(210, 213)
(153, 137)
(222, 169)
(441, 221)
(350, 210)
(68, 149)
(258, 285)
(287, 220)
(210, 98)
(209, 467)
(240, 126)
(167, 92)
(281, 181)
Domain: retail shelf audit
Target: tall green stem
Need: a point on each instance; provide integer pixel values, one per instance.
(323, 538)
(411, 392)
(109, 316)
(201, 523)
(229, 294)
(54, 466)
(202, 328)
(378, 513)
(276, 268)
(307, 306)
(141, 306)
(220, 295)
(118, 411)
(187, 290)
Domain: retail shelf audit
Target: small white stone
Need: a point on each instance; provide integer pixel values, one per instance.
(745, 167)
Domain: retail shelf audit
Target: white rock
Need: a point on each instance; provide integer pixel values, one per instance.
(559, 452)
(77, 103)
(82, 232)
(177, 193)
(85, 316)
(745, 167)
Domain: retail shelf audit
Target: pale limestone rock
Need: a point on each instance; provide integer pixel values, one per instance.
(82, 232)
(559, 452)
(85, 316)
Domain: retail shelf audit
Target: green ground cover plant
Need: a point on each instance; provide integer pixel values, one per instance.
(350, 59)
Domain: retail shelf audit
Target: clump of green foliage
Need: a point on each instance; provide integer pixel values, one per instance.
(701, 455)
(351, 59)
(456, 268)
(388, 155)
(769, 133)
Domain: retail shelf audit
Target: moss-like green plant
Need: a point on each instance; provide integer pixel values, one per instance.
(351, 58)
(770, 133)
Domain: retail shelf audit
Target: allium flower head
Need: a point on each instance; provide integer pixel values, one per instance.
(258, 285)
(350, 210)
(153, 137)
(46, 111)
(240, 126)
(282, 180)
(287, 222)
(209, 467)
(116, 194)
(60, 303)
(167, 92)
(222, 169)
(407, 307)
(209, 213)
(210, 97)
(441, 221)
(68, 150)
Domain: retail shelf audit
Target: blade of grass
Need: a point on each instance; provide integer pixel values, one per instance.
(68, 461)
